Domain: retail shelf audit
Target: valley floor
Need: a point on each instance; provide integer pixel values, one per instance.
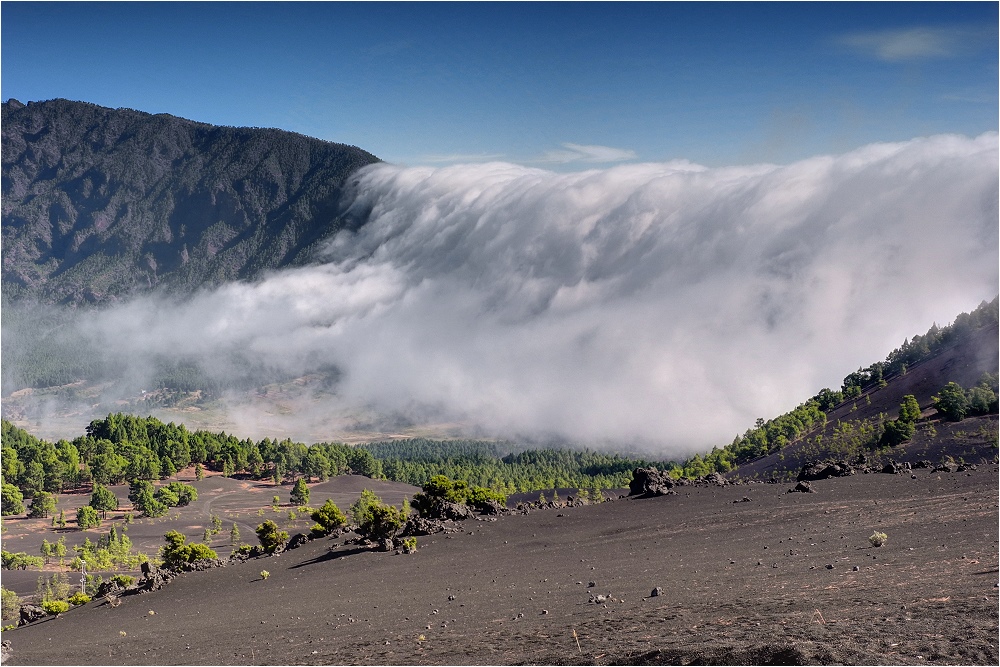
(749, 574)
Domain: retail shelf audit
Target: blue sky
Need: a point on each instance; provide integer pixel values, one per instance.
(563, 86)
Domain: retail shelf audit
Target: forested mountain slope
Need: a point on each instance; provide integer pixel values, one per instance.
(102, 203)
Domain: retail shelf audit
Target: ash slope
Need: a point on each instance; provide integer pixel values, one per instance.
(744, 582)
(100, 204)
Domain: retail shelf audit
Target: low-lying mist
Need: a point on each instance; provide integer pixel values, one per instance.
(654, 307)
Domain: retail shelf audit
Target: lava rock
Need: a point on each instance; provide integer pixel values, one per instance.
(650, 482)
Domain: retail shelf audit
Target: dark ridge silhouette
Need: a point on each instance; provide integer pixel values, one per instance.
(100, 204)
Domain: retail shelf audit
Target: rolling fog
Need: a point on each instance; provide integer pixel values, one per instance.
(659, 307)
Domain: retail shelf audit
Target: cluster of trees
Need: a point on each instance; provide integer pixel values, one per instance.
(504, 466)
(137, 450)
(126, 448)
(773, 435)
(955, 403)
(112, 550)
(153, 501)
(442, 489)
(912, 352)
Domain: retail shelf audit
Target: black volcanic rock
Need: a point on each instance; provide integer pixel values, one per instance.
(651, 482)
(99, 203)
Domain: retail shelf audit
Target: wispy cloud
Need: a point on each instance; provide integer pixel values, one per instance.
(584, 153)
(917, 43)
(463, 157)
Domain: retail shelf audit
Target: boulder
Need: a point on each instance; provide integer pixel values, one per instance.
(802, 487)
(651, 482)
(493, 508)
(30, 613)
(298, 540)
(713, 479)
(816, 470)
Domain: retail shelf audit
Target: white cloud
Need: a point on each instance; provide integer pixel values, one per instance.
(663, 306)
(918, 43)
(584, 153)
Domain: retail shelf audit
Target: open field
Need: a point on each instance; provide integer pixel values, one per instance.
(780, 578)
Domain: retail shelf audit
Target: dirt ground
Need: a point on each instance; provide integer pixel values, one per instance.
(749, 574)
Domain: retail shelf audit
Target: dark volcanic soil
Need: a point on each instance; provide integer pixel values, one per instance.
(786, 578)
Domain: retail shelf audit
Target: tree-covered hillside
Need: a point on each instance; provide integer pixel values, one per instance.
(102, 203)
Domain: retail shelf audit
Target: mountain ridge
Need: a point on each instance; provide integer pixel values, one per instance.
(100, 204)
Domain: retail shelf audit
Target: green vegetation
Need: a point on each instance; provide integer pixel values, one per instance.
(442, 489)
(955, 403)
(270, 537)
(78, 598)
(103, 499)
(12, 500)
(43, 504)
(176, 553)
(20, 560)
(328, 518)
(10, 606)
(374, 519)
(112, 550)
(771, 436)
(300, 493)
(86, 518)
(55, 607)
(878, 539)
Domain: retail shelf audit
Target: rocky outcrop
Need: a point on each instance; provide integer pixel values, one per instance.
(648, 482)
(817, 470)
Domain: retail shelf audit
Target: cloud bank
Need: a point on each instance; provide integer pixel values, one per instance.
(660, 307)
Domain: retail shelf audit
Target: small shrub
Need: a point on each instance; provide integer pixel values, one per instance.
(123, 580)
(264, 574)
(243, 549)
(409, 545)
(55, 606)
(328, 518)
(270, 537)
(79, 598)
(878, 539)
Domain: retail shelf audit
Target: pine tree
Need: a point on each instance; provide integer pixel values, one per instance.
(300, 493)
(234, 535)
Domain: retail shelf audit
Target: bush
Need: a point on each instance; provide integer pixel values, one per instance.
(243, 550)
(55, 606)
(375, 520)
(86, 517)
(176, 553)
(328, 518)
(897, 432)
(878, 539)
(20, 561)
(270, 537)
(442, 489)
(10, 605)
(951, 402)
(79, 598)
(123, 580)
(409, 545)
